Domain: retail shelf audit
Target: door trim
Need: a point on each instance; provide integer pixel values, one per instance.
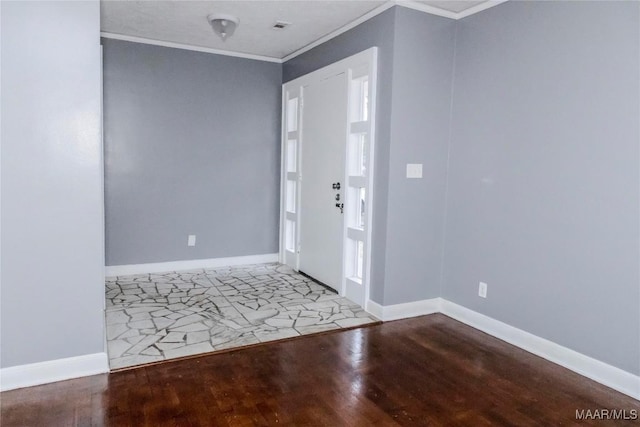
(360, 64)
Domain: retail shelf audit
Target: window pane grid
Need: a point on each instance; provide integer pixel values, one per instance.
(360, 99)
(291, 196)
(355, 261)
(290, 237)
(292, 115)
(358, 154)
(291, 155)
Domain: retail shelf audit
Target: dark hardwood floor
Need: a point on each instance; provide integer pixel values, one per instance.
(428, 370)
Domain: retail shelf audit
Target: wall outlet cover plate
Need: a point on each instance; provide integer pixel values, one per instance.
(414, 170)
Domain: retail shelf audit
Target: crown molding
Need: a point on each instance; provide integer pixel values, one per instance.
(479, 8)
(431, 10)
(409, 4)
(163, 43)
(377, 11)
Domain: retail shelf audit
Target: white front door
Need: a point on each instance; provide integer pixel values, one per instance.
(324, 123)
(328, 137)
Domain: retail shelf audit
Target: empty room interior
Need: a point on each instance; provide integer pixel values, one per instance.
(320, 212)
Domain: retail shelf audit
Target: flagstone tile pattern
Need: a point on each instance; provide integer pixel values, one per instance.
(154, 317)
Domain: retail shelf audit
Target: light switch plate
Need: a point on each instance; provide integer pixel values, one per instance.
(414, 170)
(191, 240)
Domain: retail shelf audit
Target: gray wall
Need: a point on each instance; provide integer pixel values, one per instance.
(544, 185)
(414, 100)
(542, 200)
(378, 31)
(52, 219)
(540, 114)
(192, 146)
(420, 119)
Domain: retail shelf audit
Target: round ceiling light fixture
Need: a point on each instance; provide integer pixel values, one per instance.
(223, 25)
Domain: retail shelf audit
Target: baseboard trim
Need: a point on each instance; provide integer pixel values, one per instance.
(91, 364)
(601, 372)
(403, 311)
(161, 267)
(589, 367)
(373, 308)
(53, 370)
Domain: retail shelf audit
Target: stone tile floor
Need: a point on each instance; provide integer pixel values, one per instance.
(154, 317)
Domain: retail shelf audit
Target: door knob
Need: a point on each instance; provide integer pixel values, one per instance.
(340, 206)
(336, 186)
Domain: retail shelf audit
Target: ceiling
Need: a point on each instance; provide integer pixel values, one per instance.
(185, 22)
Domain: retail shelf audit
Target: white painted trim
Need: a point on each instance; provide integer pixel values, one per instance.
(410, 4)
(160, 267)
(596, 370)
(377, 11)
(362, 58)
(603, 373)
(367, 59)
(143, 40)
(403, 311)
(53, 370)
(374, 308)
(479, 8)
(283, 177)
(370, 195)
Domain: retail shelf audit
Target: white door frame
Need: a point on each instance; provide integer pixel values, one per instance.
(357, 67)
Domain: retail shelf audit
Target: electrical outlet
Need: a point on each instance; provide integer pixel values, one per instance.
(191, 240)
(482, 290)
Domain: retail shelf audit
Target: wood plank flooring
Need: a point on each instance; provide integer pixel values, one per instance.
(429, 370)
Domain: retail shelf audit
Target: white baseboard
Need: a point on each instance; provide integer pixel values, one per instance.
(403, 311)
(603, 373)
(589, 367)
(53, 370)
(160, 267)
(373, 308)
(622, 381)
